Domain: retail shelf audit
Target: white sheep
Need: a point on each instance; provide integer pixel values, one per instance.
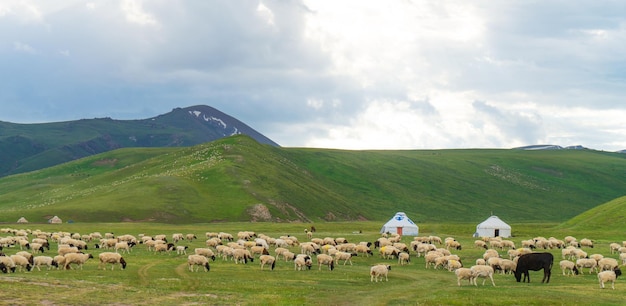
(242, 255)
(324, 259)
(198, 260)
(288, 255)
(301, 261)
(614, 247)
(361, 248)
(267, 260)
(568, 267)
(508, 266)
(622, 257)
(464, 273)
(65, 249)
(8, 263)
(606, 264)
(484, 272)
(403, 258)
(206, 252)
(76, 258)
(124, 246)
(609, 276)
(454, 264)
(112, 258)
(21, 262)
(586, 243)
(345, 256)
(60, 260)
(41, 260)
(592, 264)
(378, 271)
(181, 249)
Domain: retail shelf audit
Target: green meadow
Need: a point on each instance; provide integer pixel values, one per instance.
(165, 279)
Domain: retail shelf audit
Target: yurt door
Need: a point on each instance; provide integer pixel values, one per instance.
(399, 230)
(496, 233)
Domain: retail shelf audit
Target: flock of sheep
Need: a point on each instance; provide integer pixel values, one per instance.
(500, 256)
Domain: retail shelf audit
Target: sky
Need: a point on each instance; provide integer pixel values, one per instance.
(352, 74)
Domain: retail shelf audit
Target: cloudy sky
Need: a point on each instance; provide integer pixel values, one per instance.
(327, 73)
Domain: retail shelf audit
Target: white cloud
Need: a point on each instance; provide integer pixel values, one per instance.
(22, 47)
(134, 12)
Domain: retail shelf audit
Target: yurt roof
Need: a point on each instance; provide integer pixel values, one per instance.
(493, 222)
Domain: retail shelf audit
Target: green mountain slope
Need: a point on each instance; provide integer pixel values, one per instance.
(238, 179)
(610, 215)
(28, 147)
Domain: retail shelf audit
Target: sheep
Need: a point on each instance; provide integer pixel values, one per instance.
(111, 257)
(190, 237)
(181, 249)
(479, 244)
(464, 273)
(484, 272)
(586, 243)
(389, 251)
(213, 242)
(21, 262)
(363, 249)
(242, 255)
(162, 247)
(454, 264)
(76, 258)
(63, 250)
(3, 268)
(453, 244)
(431, 258)
(26, 255)
(41, 260)
(60, 260)
(614, 247)
(36, 247)
(424, 248)
(568, 267)
(605, 264)
(261, 250)
(592, 264)
(198, 260)
(288, 255)
(323, 259)
(267, 260)
(609, 276)
(378, 271)
(302, 260)
(8, 263)
(403, 258)
(345, 256)
(508, 266)
(124, 246)
(206, 252)
(622, 257)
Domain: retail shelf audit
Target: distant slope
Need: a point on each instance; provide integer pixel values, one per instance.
(238, 179)
(27, 147)
(608, 215)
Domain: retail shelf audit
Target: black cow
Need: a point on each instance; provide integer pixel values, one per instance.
(534, 262)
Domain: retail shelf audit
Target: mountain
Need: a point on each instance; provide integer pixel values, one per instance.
(238, 179)
(28, 147)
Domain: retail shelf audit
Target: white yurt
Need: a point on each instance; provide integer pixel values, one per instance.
(493, 227)
(400, 224)
(22, 220)
(55, 220)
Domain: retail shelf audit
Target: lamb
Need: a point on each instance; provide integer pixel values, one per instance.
(609, 276)
(464, 273)
(76, 258)
(484, 272)
(21, 262)
(181, 249)
(378, 271)
(206, 252)
(198, 260)
(48, 261)
(267, 260)
(111, 257)
(323, 259)
(568, 267)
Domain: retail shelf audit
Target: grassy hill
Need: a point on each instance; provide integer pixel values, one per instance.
(610, 215)
(238, 179)
(28, 147)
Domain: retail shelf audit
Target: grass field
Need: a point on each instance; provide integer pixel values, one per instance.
(164, 279)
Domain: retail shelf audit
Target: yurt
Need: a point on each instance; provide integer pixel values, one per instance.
(22, 220)
(55, 220)
(400, 224)
(493, 227)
